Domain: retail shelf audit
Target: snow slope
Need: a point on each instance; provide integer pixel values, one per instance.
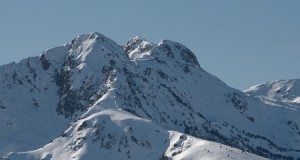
(116, 134)
(161, 85)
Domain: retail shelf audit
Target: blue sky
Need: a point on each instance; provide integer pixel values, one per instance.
(241, 42)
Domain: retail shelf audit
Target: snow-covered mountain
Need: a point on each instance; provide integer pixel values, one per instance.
(95, 98)
(285, 91)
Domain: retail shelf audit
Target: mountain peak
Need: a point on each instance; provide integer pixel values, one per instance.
(91, 37)
(94, 49)
(178, 51)
(138, 48)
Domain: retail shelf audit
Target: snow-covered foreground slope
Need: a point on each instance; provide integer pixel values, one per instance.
(45, 98)
(116, 134)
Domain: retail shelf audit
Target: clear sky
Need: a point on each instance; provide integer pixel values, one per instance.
(241, 42)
